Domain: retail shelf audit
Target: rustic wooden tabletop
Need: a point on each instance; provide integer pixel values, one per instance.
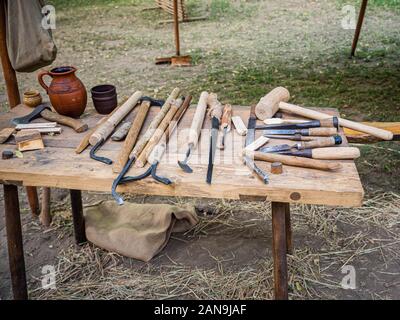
(58, 166)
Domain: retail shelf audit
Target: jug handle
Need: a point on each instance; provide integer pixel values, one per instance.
(41, 74)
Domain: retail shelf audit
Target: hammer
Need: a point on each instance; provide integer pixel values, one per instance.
(277, 100)
(44, 111)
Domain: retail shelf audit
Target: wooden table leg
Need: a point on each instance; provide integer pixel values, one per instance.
(14, 242)
(288, 225)
(45, 215)
(33, 200)
(77, 216)
(279, 250)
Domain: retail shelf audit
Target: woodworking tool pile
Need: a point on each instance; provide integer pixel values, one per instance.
(313, 142)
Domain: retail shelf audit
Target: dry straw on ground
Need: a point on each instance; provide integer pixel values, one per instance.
(330, 238)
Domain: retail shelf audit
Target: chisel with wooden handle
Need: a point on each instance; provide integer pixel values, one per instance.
(376, 132)
(334, 153)
(324, 123)
(323, 132)
(195, 130)
(317, 143)
(293, 161)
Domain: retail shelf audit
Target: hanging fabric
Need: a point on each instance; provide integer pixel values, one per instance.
(30, 46)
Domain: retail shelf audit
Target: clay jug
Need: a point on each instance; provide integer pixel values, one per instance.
(67, 93)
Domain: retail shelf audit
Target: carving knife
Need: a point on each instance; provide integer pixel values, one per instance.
(317, 143)
(304, 132)
(325, 123)
(250, 137)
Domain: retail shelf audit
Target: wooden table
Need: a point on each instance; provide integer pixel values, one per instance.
(58, 166)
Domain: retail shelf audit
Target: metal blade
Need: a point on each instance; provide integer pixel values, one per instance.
(280, 131)
(213, 147)
(278, 148)
(250, 137)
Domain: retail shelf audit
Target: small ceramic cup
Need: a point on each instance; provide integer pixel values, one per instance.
(32, 98)
(104, 98)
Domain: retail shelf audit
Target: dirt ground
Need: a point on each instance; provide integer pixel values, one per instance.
(243, 49)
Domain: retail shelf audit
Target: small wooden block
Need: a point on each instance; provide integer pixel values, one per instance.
(36, 125)
(5, 134)
(276, 168)
(7, 154)
(29, 140)
(257, 144)
(239, 125)
(27, 135)
(47, 130)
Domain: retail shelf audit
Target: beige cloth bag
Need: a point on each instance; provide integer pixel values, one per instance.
(29, 45)
(137, 231)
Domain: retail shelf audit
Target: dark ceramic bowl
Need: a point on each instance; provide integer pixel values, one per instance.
(104, 98)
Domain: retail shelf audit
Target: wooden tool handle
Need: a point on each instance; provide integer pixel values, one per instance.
(239, 125)
(216, 107)
(75, 124)
(157, 153)
(132, 136)
(85, 141)
(323, 132)
(154, 123)
(269, 104)
(294, 161)
(336, 153)
(319, 143)
(227, 117)
(104, 131)
(198, 119)
(158, 134)
(376, 132)
(329, 122)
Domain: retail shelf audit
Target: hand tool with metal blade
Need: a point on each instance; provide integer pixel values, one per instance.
(156, 156)
(283, 121)
(158, 133)
(312, 114)
(317, 143)
(304, 132)
(195, 130)
(215, 112)
(250, 138)
(333, 153)
(44, 111)
(295, 137)
(325, 123)
(293, 161)
(225, 124)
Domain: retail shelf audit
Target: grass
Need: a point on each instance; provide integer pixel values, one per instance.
(334, 236)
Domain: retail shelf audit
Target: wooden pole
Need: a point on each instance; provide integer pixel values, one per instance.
(359, 25)
(14, 98)
(10, 76)
(176, 27)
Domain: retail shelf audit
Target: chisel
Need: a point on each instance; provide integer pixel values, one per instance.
(215, 112)
(333, 153)
(317, 143)
(325, 123)
(304, 132)
(295, 137)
